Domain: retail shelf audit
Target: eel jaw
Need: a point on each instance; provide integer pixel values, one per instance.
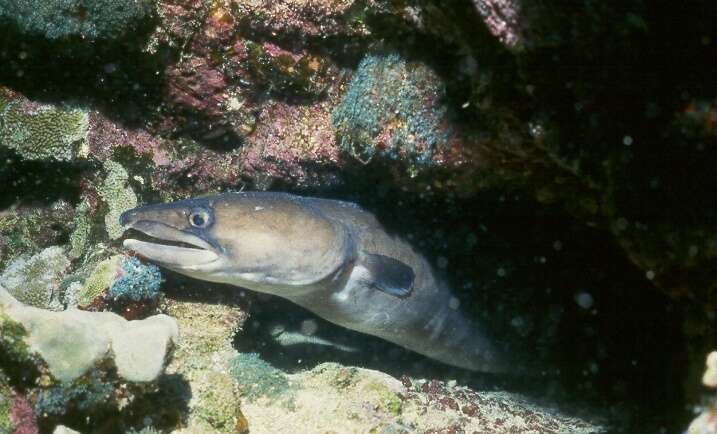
(177, 257)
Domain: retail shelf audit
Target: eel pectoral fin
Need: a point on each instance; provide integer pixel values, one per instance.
(389, 275)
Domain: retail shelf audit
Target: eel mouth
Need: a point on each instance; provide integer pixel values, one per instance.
(170, 246)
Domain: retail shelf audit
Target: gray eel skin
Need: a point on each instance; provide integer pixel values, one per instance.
(330, 257)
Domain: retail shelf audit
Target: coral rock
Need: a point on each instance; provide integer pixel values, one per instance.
(73, 341)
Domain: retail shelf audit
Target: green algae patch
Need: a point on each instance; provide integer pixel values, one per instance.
(256, 379)
(80, 236)
(99, 280)
(117, 195)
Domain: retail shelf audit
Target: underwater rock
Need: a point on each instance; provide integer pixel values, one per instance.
(332, 397)
(72, 342)
(329, 397)
(86, 19)
(35, 280)
(200, 169)
(41, 131)
(195, 85)
(287, 75)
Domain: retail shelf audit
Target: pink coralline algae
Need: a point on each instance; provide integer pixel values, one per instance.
(196, 85)
(22, 416)
(105, 135)
(290, 137)
(504, 19)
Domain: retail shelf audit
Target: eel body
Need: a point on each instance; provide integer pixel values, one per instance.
(330, 257)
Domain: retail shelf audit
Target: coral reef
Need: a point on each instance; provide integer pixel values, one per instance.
(35, 280)
(328, 397)
(392, 108)
(40, 131)
(87, 19)
(532, 126)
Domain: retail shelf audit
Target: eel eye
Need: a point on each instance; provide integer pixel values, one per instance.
(199, 218)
